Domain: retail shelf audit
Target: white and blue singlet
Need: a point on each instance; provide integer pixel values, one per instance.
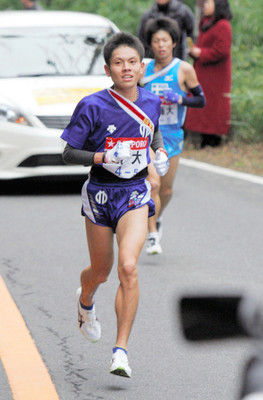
(172, 115)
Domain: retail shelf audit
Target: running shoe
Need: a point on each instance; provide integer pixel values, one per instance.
(153, 244)
(159, 226)
(89, 326)
(120, 364)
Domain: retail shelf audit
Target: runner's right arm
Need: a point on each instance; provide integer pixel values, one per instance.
(79, 157)
(88, 158)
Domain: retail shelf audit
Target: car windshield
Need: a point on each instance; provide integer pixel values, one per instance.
(52, 51)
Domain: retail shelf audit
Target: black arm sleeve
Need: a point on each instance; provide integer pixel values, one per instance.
(198, 99)
(157, 141)
(75, 156)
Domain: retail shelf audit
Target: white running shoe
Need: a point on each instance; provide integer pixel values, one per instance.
(153, 245)
(89, 326)
(120, 364)
(159, 226)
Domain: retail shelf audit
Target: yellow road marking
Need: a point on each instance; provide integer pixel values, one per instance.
(27, 374)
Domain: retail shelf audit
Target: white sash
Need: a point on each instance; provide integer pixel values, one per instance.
(162, 72)
(139, 147)
(135, 112)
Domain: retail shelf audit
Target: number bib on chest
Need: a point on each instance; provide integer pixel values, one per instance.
(137, 161)
(169, 114)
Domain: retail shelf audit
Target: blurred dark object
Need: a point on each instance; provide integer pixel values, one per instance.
(210, 140)
(219, 317)
(252, 382)
(208, 318)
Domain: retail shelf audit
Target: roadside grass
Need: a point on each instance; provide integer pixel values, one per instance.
(243, 157)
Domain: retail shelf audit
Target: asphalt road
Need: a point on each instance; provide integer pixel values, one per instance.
(212, 244)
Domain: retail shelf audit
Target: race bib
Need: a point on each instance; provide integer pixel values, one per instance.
(169, 113)
(136, 163)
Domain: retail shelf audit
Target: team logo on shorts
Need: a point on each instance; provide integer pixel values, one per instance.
(135, 199)
(101, 197)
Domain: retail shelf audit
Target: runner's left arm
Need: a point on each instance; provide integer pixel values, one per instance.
(157, 141)
(161, 161)
(197, 100)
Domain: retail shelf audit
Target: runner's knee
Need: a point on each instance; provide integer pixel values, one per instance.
(101, 278)
(99, 274)
(128, 274)
(102, 273)
(166, 192)
(155, 184)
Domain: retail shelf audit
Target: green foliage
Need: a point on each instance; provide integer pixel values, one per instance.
(247, 93)
(10, 4)
(190, 3)
(125, 14)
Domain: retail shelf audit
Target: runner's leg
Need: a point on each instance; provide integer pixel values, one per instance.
(166, 190)
(155, 182)
(131, 234)
(100, 242)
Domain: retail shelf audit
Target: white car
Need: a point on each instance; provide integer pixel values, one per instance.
(49, 61)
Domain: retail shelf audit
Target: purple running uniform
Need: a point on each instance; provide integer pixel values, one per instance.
(104, 204)
(97, 124)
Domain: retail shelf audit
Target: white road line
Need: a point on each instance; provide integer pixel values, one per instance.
(222, 171)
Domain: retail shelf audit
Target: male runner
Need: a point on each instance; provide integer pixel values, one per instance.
(111, 130)
(170, 78)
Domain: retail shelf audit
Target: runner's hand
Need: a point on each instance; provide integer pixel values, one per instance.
(120, 153)
(171, 96)
(161, 162)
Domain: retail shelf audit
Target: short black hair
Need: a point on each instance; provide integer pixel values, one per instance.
(222, 10)
(122, 39)
(165, 24)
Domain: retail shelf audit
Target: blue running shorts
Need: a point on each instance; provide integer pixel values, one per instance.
(173, 142)
(105, 203)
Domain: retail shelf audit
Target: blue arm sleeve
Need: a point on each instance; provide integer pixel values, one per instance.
(198, 99)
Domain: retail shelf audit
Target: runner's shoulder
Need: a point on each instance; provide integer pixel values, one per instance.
(93, 101)
(149, 96)
(186, 66)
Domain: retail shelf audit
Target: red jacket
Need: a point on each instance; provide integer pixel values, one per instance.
(213, 69)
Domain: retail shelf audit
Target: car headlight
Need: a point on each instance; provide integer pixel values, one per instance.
(10, 114)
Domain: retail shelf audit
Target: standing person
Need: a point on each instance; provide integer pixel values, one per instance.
(179, 12)
(31, 5)
(111, 130)
(171, 79)
(212, 55)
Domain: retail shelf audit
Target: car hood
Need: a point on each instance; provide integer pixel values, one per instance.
(49, 95)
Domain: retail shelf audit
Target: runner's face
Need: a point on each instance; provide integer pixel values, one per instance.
(126, 68)
(162, 46)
